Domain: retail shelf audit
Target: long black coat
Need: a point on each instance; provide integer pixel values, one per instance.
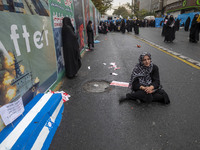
(194, 30)
(128, 25)
(164, 27)
(170, 30)
(187, 24)
(123, 26)
(90, 34)
(71, 51)
(177, 25)
(136, 27)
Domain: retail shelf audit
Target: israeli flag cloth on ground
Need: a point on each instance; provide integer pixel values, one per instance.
(36, 127)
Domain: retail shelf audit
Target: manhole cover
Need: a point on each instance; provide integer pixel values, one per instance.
(96, 86)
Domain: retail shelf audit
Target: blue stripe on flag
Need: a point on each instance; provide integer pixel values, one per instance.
(8, 129)
(53, 130)
(32, 131)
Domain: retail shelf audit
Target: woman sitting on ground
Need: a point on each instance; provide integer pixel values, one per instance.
(145, 82)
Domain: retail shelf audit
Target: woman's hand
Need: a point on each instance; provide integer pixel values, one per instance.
(148, 89)
(142, 88)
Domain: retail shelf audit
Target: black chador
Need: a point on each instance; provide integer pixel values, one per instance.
(187, 24)
(164, 26)
(194, 30)
(131, 25)
(136, 26)
(112, 26)
(177, 24)
(90, 34)
(123, 26)
(71, 49)
(170, 30)
(105, 28)
(128, 25)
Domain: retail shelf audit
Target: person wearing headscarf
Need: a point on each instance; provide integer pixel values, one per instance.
(100, 27)
(131, 25)
(90, 34)
(177, 24)
(187, 24)
(194, 30)
(136, 26)
(123, 26)
(128, 25)
(71, 49)
(105, 28)
(112, 26)
(164, 26)
(170, 30)
(145, 82)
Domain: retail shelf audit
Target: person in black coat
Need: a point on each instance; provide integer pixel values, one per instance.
(194, 30)
(71, 49)
(123, 26)
(164, 26)
(187, 24)
(128, 25)
(145, 82)
(136, 26)
(105, 28)
(177, 24)
(170, 30)
(90, 34)
(131, 25)
(112, 26)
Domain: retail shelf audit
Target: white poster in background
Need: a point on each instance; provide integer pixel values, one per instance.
(11, 111)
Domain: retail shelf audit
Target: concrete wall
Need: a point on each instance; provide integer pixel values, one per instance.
(168, 2)
(156, 5)
(145, 4)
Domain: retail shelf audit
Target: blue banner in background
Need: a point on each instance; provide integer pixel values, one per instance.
(158, 21)
(183, 17)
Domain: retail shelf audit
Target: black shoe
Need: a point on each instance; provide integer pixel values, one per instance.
(122, 99)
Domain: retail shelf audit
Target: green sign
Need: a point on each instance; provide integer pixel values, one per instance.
(60, 9)
(198, 2)
(184, 3)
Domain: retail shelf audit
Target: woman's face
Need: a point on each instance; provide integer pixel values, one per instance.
(146, 61)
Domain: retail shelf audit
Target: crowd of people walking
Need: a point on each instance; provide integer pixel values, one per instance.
(169, 23)
(124, 25)
(171, 26)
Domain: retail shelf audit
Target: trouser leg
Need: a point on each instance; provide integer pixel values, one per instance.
(158, 97)
(161, 96)
(141, 95)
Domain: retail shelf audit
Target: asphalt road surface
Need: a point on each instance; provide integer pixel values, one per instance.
(96, 120)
